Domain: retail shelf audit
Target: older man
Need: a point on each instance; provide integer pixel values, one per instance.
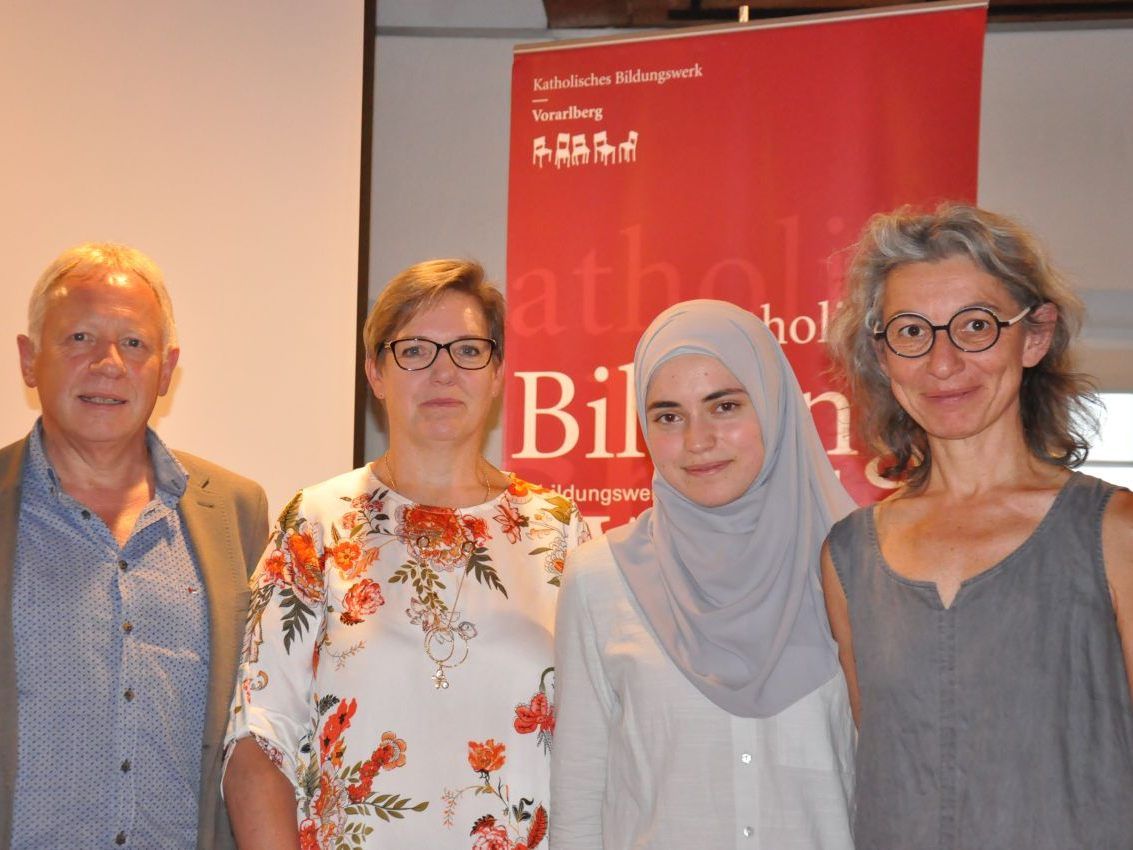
(123, 570)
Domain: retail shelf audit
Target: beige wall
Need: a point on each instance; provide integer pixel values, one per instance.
(222, 138)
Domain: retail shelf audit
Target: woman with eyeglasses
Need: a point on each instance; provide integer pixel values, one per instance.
(397, 679)
(984, 611)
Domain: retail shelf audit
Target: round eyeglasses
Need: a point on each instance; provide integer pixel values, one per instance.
(468, 352)
(971, 329)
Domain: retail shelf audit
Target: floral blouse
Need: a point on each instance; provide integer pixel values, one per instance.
(397, 664)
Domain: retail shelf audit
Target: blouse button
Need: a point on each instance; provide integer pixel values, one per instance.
(120, 838)
(745, 758)
(748, 832)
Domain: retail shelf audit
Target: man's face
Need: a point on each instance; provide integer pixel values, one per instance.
(98, 368)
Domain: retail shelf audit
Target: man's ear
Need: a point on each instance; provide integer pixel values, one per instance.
(27, 358)
(168, 364)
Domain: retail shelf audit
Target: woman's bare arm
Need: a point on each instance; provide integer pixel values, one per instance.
(1117, 549)
(260, 800)
(838, 611)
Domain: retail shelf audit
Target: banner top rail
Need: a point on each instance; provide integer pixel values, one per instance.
(773, 23)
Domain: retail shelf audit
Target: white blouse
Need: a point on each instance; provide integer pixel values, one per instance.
(642, 759)
(398, 664)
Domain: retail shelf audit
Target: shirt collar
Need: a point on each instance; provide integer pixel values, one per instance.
(170, 477)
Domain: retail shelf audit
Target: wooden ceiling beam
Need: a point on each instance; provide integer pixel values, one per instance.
(600, 14)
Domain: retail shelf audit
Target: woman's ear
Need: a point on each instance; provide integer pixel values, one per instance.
(374, 377)
(1040, 333)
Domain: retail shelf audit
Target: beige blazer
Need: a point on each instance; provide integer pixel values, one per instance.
(227, 524)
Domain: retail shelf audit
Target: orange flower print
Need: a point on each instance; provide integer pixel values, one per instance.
(486, 757)
(308, 835)
(346, 555)
(329, 802)
(360, 601)
(392, 751)
(367, 502)
(276, 569)
(440, 536)
(537, 715)
(306, 565)
(511, 521)
(476, 530)
(335, 725)
(520, 488)
(390, 754)
(490, 835)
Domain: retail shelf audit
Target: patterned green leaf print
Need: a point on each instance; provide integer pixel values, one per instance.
(480, 565)
(296, 617)
(425, 582)
(289, 516)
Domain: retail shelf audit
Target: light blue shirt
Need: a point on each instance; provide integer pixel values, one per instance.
(111, 646)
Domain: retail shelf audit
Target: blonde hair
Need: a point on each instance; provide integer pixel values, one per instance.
(420, 286)
(93, 257)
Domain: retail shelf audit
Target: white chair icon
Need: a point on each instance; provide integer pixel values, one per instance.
(540, 152)
(562, 149)
(628, 148)
(578, 150)
(603, 150)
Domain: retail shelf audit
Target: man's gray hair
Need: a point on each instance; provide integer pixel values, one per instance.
(92, 257)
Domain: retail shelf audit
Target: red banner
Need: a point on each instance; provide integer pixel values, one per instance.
(732, 162)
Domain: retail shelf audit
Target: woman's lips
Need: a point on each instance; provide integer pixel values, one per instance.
(443, 402)
(950, 396)
(706, 468)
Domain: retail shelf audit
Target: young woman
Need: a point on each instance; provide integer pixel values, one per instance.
(985, 610)
(700, 703)
(397, 673)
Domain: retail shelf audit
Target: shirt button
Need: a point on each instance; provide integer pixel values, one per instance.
(120, 838)
(748, 832)
(85, 514)
(129, 695)
(745, 758)
(122, 565)
(126, 766)
(127, 627)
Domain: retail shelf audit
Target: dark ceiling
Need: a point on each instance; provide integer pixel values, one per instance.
(565, 14)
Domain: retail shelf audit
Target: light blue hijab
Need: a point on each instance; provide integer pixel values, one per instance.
(733, 592)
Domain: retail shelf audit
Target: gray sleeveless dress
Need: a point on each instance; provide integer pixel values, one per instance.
(1004, 721)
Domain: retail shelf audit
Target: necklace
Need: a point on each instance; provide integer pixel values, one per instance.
(481, 474)
(442, 633)
(446, 645)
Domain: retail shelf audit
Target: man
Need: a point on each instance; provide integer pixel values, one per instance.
(123, 579)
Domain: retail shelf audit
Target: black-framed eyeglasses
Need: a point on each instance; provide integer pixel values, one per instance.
(417, 352)
(971, 329)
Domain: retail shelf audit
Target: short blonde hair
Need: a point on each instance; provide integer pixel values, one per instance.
(420, 286)
(91, 257)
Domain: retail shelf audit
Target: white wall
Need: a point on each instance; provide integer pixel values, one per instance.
(224, 140)
(1056, 148)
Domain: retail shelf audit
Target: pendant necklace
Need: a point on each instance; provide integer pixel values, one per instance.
(442, 632)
